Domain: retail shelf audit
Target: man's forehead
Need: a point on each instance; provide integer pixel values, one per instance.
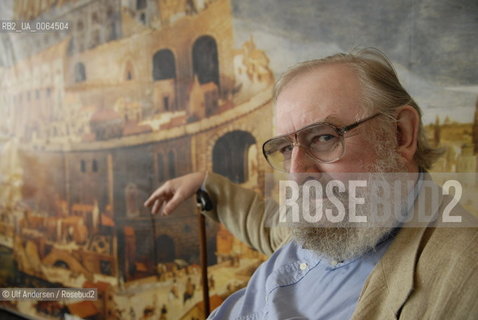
(327, 94)
(286, 126)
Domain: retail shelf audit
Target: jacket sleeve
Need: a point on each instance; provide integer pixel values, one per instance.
(245, 214)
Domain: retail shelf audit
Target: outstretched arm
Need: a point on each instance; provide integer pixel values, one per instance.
(243, 212)
(173, 192)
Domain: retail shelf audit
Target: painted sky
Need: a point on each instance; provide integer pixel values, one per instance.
(433, 43)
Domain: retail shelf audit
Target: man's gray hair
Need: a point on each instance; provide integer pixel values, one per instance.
(382, 91)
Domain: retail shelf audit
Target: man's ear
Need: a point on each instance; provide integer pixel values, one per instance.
(408, 121)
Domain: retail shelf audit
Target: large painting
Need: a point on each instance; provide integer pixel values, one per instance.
(131, 93)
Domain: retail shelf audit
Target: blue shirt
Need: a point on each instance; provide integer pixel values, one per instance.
(296, 283)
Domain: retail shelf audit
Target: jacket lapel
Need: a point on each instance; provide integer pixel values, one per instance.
(392, 280)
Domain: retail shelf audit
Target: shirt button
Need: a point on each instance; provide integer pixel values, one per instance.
(303, 266)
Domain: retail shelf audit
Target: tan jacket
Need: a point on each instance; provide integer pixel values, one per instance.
(427, 273)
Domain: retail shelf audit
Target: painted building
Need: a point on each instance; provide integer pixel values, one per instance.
(102, 124)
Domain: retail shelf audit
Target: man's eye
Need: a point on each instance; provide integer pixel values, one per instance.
(286, 149)
(323, 138)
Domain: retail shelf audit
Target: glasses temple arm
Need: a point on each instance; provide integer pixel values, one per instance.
(356, 124)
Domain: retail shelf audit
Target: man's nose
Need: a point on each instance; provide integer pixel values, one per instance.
(303, 166)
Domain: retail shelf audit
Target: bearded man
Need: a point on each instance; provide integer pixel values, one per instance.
(347, 113)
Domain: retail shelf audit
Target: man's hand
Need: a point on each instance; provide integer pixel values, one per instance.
(170, 195)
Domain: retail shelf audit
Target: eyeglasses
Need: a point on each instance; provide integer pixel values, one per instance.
(322, 141)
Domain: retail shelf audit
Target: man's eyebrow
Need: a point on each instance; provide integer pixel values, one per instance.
(333, 119)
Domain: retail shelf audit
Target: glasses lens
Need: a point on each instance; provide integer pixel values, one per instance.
(322, 142)
(278, 152)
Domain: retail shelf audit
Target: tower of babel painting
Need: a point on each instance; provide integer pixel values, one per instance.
(137, 93)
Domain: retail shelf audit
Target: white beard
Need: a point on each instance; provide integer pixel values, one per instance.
(346, 240)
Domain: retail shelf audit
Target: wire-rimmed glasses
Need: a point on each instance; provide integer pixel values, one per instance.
(322, 141)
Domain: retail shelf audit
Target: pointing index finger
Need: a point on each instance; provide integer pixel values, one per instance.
(157, 195)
